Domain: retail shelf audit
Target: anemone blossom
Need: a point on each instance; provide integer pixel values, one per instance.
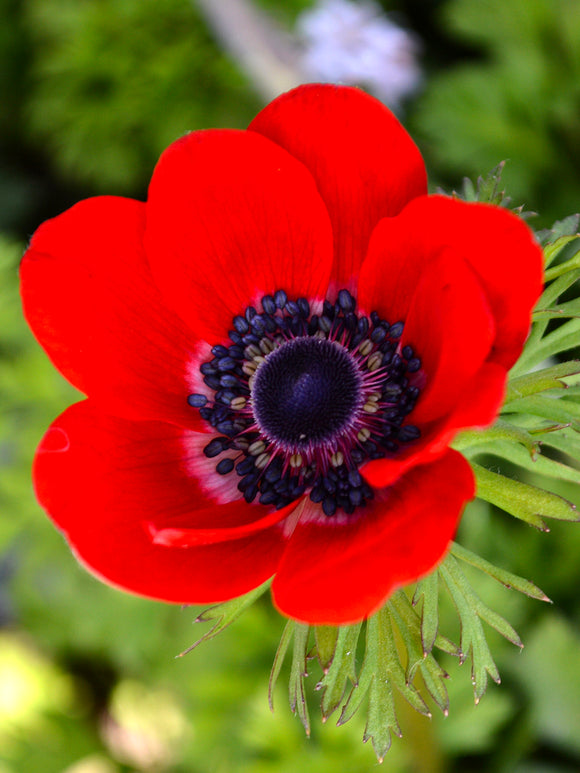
(277, 349)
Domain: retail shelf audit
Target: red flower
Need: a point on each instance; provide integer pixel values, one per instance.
(277, 349)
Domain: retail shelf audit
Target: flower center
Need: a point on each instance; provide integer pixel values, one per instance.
(299, 401)
(306, 393)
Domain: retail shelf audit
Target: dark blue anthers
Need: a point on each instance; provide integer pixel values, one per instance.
(299, 400)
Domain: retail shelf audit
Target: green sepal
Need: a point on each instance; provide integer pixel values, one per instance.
(508, 579)
(225, 614)
(522, 500)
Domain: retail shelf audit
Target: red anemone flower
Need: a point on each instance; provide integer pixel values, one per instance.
(277, 349)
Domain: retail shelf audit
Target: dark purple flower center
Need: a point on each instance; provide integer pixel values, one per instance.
(299, 401)
(306, 393)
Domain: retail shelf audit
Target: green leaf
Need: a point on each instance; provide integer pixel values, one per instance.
(488, 187)
(539, 464)
(468, 191)
(523, 501)
(381, 670)
(470, 442)
(549, 671)
(413, 621)
(434, 677)
(360, 687)
(565, 337)
(539, 348)
(506, 578)
(389, 662)
(473, 642)
(279, 660)
(381, 716)
(428, 590)
(481, 609)
(541, 380)
(564, 310)
(566, 227)
(298, 671)
(374, 680)
(560, 411)
(557, 288)
(325, 637)
(409, 626)
(341, 669)
(551, 251)
(565, 440)
(225, 614)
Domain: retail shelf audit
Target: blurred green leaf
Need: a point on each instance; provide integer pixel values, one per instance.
(549, 669)
(114, 83)
(517, 98)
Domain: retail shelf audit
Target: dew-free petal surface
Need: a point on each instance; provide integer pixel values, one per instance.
(104, 480)
(230, 217)
(365, 164)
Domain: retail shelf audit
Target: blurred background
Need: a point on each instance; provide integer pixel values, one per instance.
(91, 91)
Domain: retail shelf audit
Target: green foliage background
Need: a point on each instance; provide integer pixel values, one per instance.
(91, 91)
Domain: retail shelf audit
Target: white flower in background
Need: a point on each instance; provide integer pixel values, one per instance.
(356, 44)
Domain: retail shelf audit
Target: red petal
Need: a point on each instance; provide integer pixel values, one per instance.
(451, 328)
(90, 300)
(231, 216)
(484, 397)
(102, 479)
(365, 164)
(498, 245)
(177, 537)
(337, 573)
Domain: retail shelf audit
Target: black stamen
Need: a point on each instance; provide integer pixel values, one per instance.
(197, 401)
(305, 402)
(225, 466)
(396, 330)
(268, 304)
